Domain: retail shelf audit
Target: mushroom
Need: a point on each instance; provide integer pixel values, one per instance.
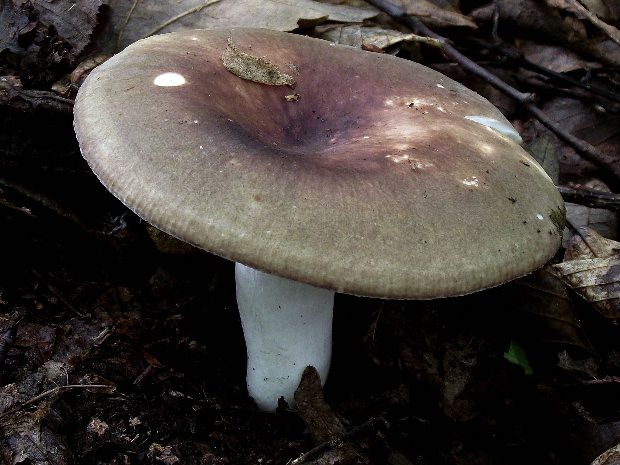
(352, 172)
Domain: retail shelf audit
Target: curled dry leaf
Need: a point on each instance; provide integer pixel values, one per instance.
(130, 21)
(554, 25)
(591, 268)
(68, 21)
(85, 67)
(553, 57)
(366, 37)
(545, 313)
(607, 10)
(25, 404)
(434, 15)
(254, 68)
(545, 153)
(584, 120)
(581, 12)
(13, 94)
(162, 454)
(603, 221)
(609, 457)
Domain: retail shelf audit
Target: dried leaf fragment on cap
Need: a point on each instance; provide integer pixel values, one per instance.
(253, 68)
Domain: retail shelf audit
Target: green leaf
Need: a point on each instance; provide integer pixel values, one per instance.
(516, 354)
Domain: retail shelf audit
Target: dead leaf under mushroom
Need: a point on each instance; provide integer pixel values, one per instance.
(592, 269)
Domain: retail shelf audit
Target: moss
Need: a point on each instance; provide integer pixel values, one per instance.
(558, 217)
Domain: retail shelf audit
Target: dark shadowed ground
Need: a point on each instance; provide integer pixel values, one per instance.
(120, 345)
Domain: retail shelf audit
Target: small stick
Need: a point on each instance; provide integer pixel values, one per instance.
(127, 18)
(56, 293)
(14, 95)
(591, 198)
(176, 18)
(53, 392)
(44, 201)
(371, 425)
(582, 12)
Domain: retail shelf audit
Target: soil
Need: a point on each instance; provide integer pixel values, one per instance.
(90, 295)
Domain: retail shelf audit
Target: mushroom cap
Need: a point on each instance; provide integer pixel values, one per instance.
(373, 176)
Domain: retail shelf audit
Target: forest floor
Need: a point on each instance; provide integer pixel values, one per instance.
(121, 345)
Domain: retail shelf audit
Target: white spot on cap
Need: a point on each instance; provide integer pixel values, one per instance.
(420, 165)
(473, 181)
(398, 158)
(413, 163)
(366, 137)
(505, 129)
(194, 38)
(539, 216)
(169, 80)
(486, 148)
(440, 86)
(195, 121)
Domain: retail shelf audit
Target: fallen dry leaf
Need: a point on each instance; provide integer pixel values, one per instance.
(70, 21)
(553, 57)
(126, 25)
(584, 120)
(364, 36)
(254, 68)
(581, 12)
(434, 15)
(546, 314)
(557, 27)
(592, 269)
(607, 10)
(603, 221)
(26, 403)
(162, 454)
(609, 457)
(545, 152)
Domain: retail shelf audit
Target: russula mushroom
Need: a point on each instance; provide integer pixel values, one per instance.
(349, 171)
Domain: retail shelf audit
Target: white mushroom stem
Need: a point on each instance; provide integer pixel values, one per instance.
(287, 327)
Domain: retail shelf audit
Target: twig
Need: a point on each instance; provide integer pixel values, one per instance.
(142, 376)
(18, 208)
(512, 53)
(14, 95)
(46, 202)
(56, 293)
(582, 147)
(591, 198)
(370, 426)
(127, 18)
(605, 380)
(543, 83)
(582, 13)
(52, 392)
(324, 426)
(527, 64)
(176, 18)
